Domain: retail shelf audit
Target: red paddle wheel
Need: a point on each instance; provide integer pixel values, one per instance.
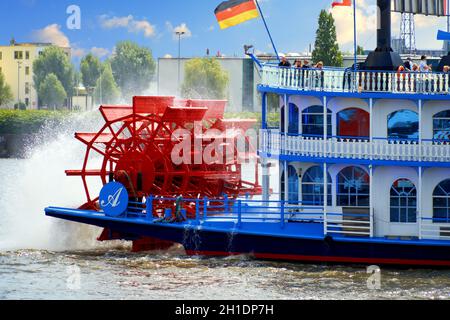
(159, 146)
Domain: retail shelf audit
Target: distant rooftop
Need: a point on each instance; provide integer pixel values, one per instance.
(13, 43)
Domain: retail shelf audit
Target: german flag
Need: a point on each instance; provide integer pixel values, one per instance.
(233, 12)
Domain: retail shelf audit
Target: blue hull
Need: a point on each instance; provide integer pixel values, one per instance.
(297, 242)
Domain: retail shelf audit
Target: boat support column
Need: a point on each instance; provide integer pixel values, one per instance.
(286, 131)
(265, 162)
(420, 189)
(419, 202)
(325, 166)
(371, 193)
(371, 119)
(325, 198)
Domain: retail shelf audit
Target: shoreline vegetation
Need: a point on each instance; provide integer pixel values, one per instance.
(33, 121)
(29, 121)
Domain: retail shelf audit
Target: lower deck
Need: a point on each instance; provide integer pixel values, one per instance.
(373, 201)
(266, 237)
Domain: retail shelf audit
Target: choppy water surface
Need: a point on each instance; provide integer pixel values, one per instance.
(38, 255)
(118, 274)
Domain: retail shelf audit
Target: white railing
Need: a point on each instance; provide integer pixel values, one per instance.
(431, 229)
(276, 143)
(359, 225)
(346, 80)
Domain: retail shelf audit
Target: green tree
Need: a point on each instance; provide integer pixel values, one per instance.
(91, 69)
(326, 47)
(54, 60)
(360, 50)
(106, 89)
(52, 92)
(205, 78)
(133, 68)
(5, 91)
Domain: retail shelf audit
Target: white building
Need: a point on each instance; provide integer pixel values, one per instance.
(242, 93)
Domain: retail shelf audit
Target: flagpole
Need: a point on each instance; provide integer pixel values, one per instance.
(355, 46)
(267, 29)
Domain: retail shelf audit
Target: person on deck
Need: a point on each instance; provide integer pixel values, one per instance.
(423, 66)
(305, 73)
(408, 64)
(284, 62)
(320, 75)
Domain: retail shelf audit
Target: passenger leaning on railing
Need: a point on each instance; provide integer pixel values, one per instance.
(297, 72)
(319, 75)
(305, 73)
(401, 79)
(445, 79)
(284, 63)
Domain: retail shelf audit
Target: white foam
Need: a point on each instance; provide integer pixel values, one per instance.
(39, 181)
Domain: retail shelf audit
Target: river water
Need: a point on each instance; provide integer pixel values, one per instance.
(42, 258)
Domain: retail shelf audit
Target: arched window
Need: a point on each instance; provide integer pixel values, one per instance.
(312, 187)
(441, 202)
(403, 201)
(353, 188)
(403, 124)
(441, 126)
(312, 122)
(294, 118)
(293, 182)
(353, 122)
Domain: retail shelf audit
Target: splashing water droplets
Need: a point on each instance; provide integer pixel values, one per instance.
(39, 181)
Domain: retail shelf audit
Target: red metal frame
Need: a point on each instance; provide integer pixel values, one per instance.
(139, 140)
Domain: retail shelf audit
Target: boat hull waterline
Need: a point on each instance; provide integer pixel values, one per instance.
(300, 242)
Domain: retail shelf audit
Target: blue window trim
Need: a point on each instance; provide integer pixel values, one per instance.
(443, 116)
(308, 112)
(404, 198)
(353, 192)
(446, 198)
(392, 129)
(320, 184)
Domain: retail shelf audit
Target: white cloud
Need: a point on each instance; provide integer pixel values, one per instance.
(181, 28)
(51, 34)
(78, 52)
(129, 23)
(366, 21)
(426, 27)
(100, 52)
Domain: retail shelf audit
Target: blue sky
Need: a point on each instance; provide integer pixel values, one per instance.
(152, 22)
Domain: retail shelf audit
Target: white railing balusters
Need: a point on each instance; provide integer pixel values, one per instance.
(346, 148)
(342, 80)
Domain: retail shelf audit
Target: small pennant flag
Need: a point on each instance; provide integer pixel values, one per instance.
(343, 3)
(233, 12)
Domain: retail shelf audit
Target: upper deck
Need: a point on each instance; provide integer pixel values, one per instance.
(348, 82)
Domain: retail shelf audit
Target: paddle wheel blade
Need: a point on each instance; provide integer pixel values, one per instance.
(136, 145)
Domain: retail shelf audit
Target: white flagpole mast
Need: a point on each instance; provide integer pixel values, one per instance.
(355, 45)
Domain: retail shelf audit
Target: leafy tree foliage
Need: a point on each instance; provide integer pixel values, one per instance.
(6, 95)
(106, 89)
(326, 47)
(205, 78)
(133, 68)
(52, 92)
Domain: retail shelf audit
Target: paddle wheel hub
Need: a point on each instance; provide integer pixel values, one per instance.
(140, 146)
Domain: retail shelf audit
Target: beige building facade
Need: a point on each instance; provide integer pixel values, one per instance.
(16, 64)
